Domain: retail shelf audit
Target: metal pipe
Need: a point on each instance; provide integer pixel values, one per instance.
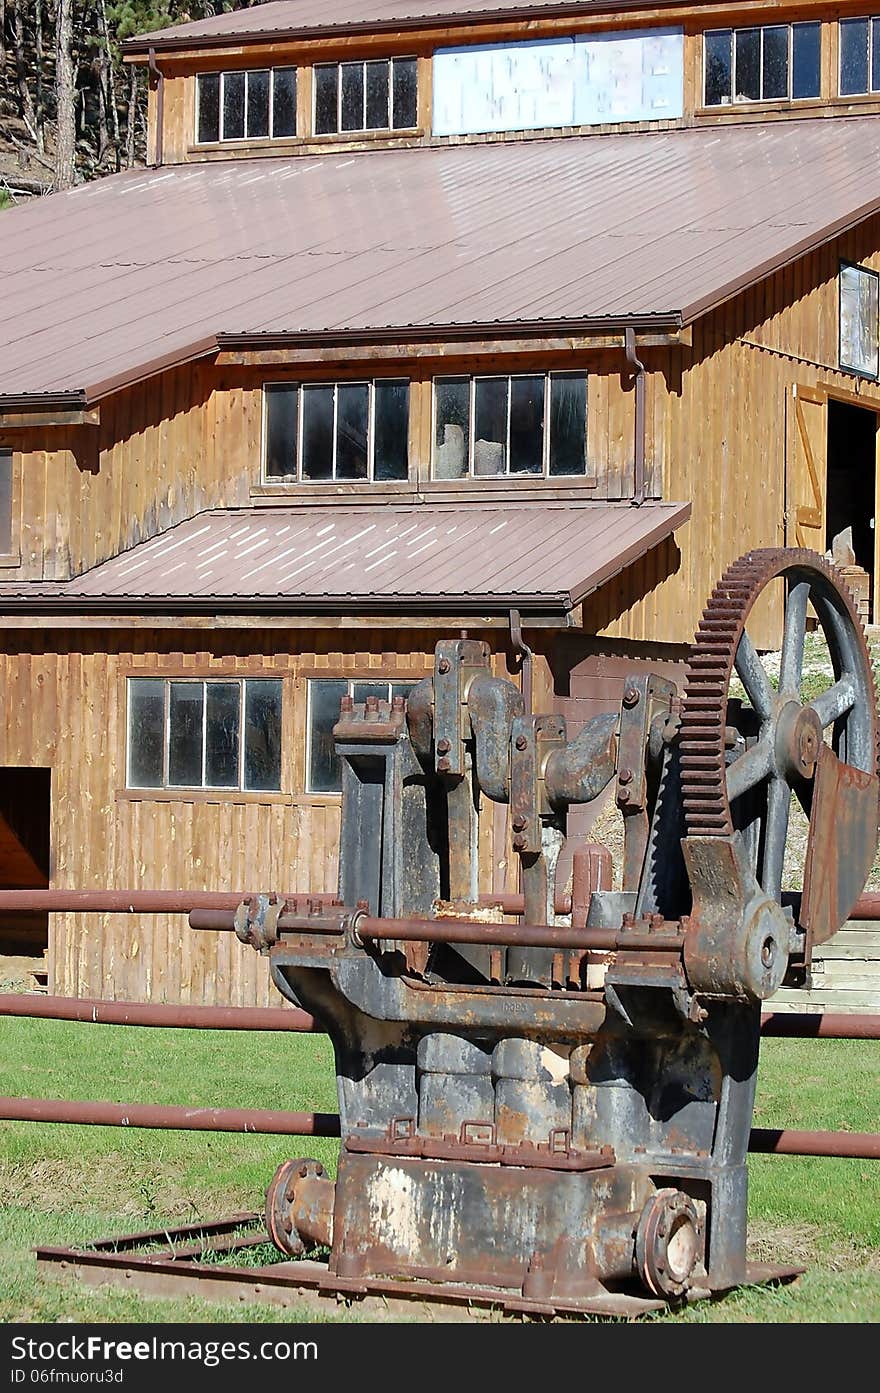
(61, 1008)
(639, 480)
(157, 73)
(860, 1146)
(526, 655)
(180, 1119)
(824, 1026)
(183, 901)
(866, 907)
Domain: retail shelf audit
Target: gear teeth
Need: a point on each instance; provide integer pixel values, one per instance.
(709, 669)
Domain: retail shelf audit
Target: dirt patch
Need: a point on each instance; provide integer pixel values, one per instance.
(17, 973)
(808, 1245)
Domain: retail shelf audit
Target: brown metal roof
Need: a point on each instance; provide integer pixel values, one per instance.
(105, 284)
(294, 18)
(432, 557)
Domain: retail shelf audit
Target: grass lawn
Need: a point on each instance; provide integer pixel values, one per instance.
(63, 1184)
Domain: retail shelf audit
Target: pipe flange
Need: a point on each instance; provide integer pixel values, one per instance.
(281, 1201)
(668, 1243)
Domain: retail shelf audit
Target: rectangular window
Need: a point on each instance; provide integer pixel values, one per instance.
(526, 424)
(219, 733)
(859, 320)
(258, 104)
(325, 697)
(773, 62)
(379, 95)
(324, 431)
(859, 56)
(7, 493)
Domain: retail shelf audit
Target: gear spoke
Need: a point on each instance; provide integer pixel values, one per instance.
(834, 703)
(791, 665)
(775, 833)
(752, 674)
(747, 771)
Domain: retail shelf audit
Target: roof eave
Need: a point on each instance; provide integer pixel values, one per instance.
(530, 605)
(138, 47)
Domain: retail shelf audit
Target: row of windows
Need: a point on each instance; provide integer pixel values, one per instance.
(260, 104)
(771, 62)
(530, 423)
(225, 733)
(777, 62)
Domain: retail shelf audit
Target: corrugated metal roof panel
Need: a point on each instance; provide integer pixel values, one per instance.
(101, 283)
(550, 555)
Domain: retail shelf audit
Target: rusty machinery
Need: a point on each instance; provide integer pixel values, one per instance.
(508, 1125)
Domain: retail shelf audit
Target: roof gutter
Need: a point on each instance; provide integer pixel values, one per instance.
(140, 46)
(668, 322)
(555, 605)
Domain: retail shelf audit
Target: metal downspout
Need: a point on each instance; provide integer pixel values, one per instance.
(156, 72)
(522, 648)
(639, 483)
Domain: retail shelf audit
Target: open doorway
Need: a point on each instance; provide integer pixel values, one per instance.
(850, 500)
(25, 820)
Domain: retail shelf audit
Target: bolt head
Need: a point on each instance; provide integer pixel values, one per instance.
(519, 843)
(443, 766)
(625, 776)
(519, 824)
(623, 795)
(520, 742)
(631, 697)
(443, 747)
(443, 665)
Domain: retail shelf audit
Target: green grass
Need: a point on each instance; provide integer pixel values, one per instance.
(6, 199)
(68, 1185)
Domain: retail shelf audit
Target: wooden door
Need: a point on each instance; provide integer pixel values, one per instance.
(806, 472)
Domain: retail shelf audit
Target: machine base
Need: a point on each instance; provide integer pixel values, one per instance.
(182, 1262)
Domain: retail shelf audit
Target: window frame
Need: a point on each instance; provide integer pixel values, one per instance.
(298, 479)
(843, 366)
(871, 90)
(11, 555)
(247, 139)
(359, 132)
(311, 679)
(472, 379)
(735, 102)
(215, 679)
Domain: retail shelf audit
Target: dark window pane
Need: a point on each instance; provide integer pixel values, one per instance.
(233, 106)
(491, 395)
(6, 490)
(527, 425)
(405, 94)
(352, 96)
(875, 55)
(452, 397)
(325, 698)
(185, 733)
(361, 690)
(282, 406)
(747, 49)
(352, 425)
(717, 68)
(568, 424)
(262, 735)
(317, 429)
(222, 727)
(326, 99)
(209, 107)
(805, 52)
(377, 96)
(258, 104)
(853, 56)
(284, 102)
(391, 430)
(146, 732)
(775, 69)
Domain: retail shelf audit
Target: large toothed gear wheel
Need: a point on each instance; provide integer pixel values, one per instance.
(741, 759)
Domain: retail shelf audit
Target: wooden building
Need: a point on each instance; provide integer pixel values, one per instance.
(516, 319)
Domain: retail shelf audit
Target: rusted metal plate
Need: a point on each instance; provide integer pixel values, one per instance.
(841, 845)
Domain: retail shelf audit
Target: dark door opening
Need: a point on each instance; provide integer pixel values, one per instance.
(852, 467)
(24, 856)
